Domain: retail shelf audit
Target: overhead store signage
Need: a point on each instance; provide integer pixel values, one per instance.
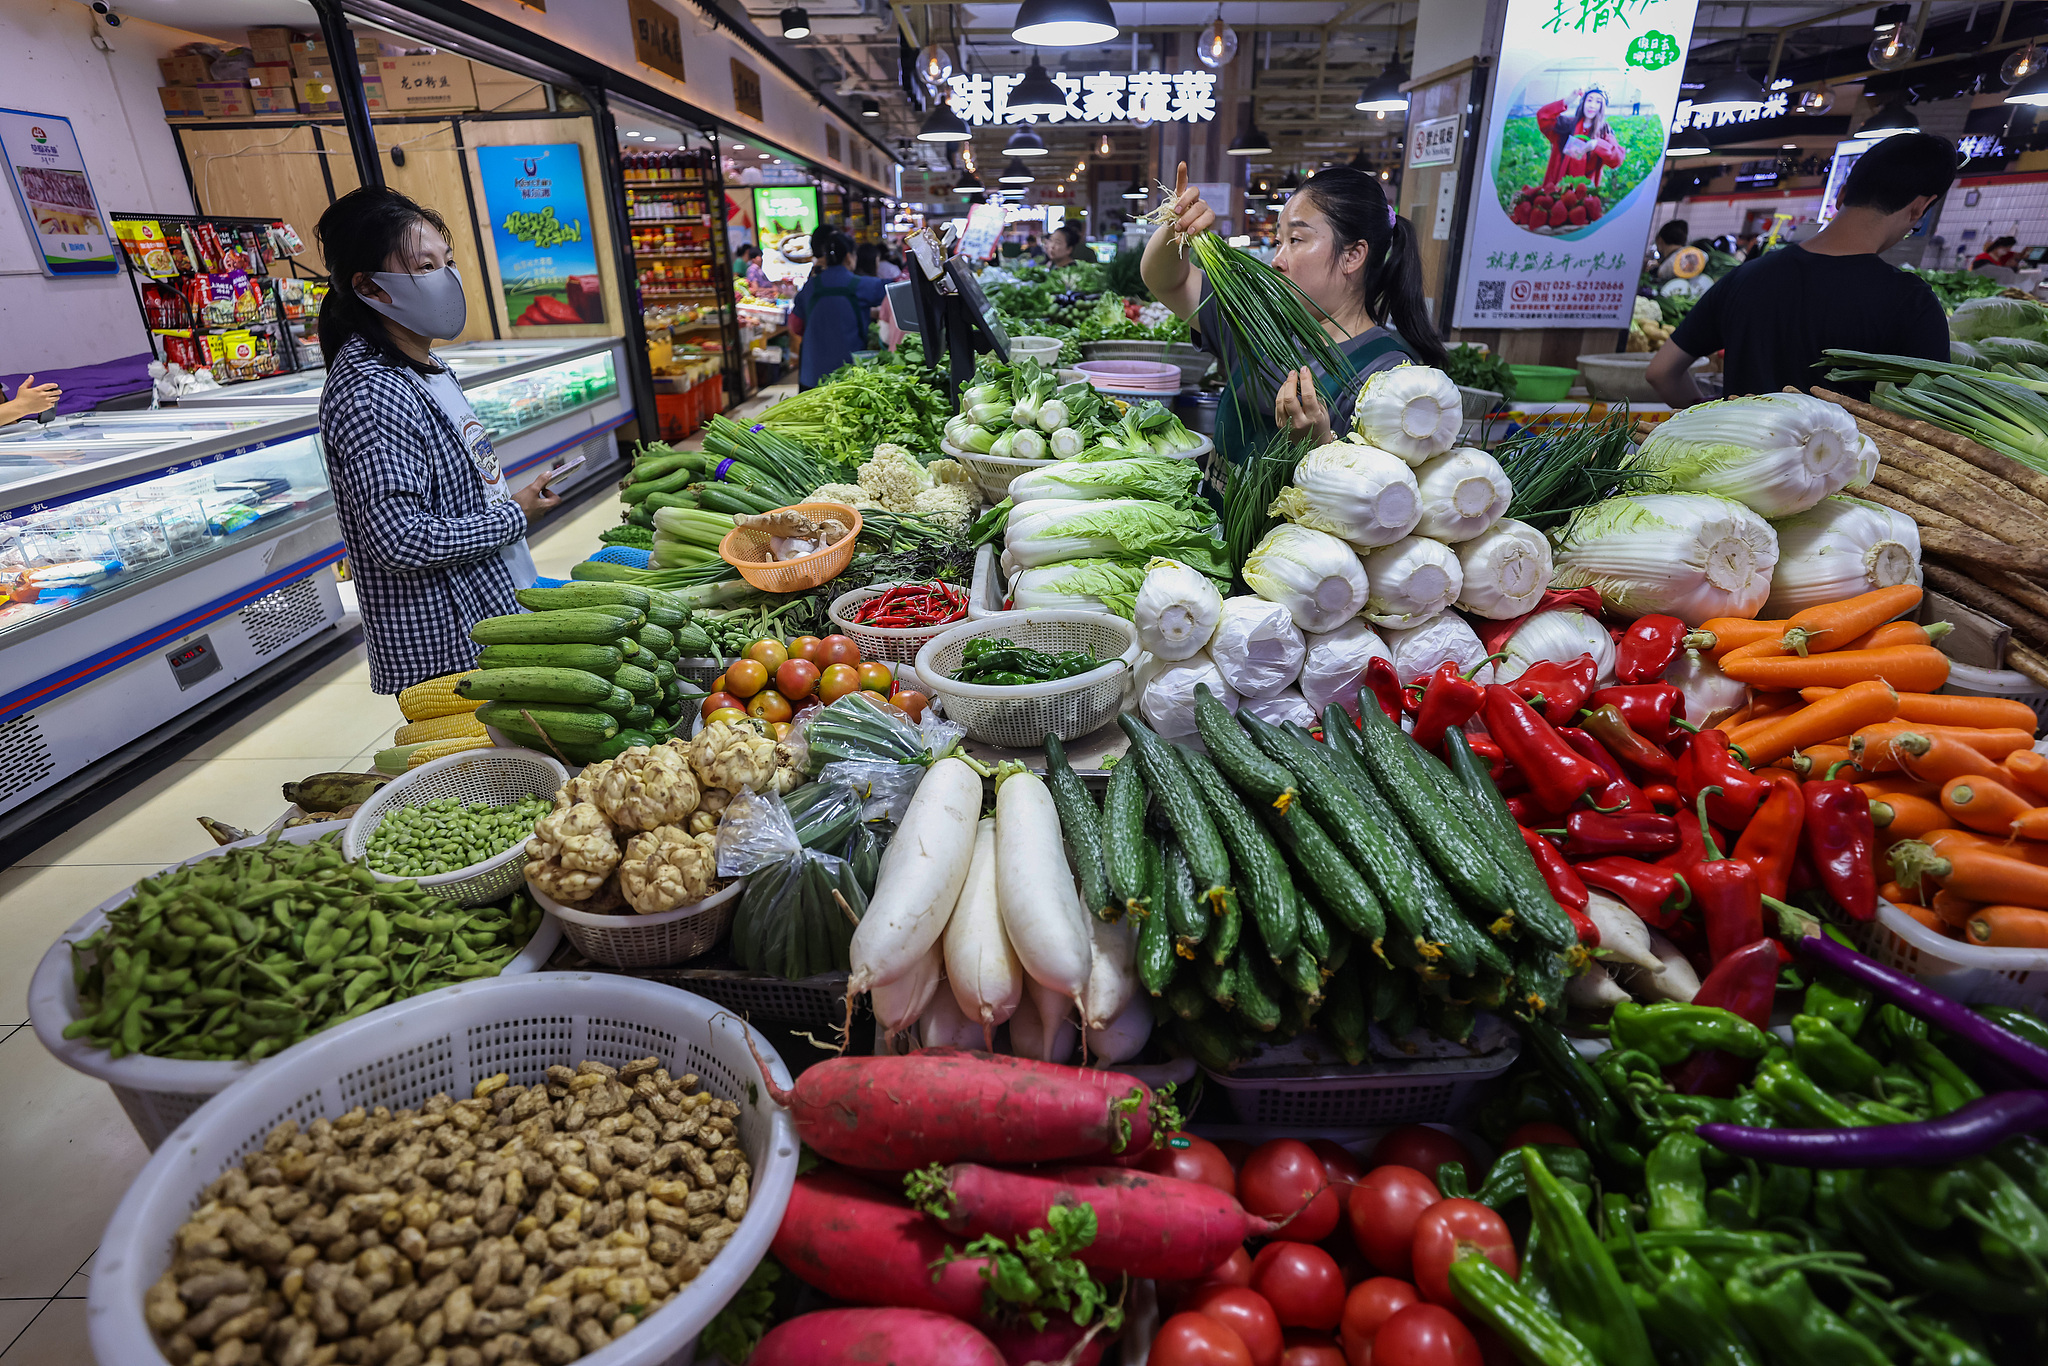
(1105, 97)
(1776, 102)
(657, 37)
(1568, 170)
(746, 90)
(48, 172)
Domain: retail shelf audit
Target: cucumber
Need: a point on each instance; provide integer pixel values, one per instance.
(1395, 763)
(1535, 908)
(1303, 976)
(1210, 1041)
(1123, 840)
(1538, 985)
(692, 641)
(1258, 993)
(1156, 958)
(1384, 989)
(666, 615)
(639, 717)
(1452, 1019)
(1185, 999)
(657, 639)
(664, 674)
(1315, 931)
(1261, 882)
(1229, 922)
(638, 681)
(617, 702)
(578, 626)
(561, 723)
(581, 595)
(1249, 771)
(1080, 822)
(629, 649)
(603, 660)
(1207, 857)
(1344, 1016)
(1342, 888)
(619, 744)
(533, 684)
(1176, 900)
(1219, 982)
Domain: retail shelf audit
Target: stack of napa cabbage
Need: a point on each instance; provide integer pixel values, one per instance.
(1080, 533)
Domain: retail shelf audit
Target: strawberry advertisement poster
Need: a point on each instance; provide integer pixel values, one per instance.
(545, 238)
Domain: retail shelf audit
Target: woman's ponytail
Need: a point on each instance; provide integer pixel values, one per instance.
(1355, 202)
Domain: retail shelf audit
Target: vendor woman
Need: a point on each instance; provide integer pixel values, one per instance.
(1343, 245)
(436, 539)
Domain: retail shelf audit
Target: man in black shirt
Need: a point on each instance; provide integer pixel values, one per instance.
(1775, 315)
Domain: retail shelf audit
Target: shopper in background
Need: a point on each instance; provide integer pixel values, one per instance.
(1998, 252)
(1670, 238)
(831, 314)
(1062, 244)
(1352, 257)
(757, 278)
(1775, 315)
(1032, 250)
(29, 399)
(436, 537)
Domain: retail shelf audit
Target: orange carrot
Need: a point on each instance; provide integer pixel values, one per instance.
(1938, 758)
(1908, 668)
(1900, 817)
(1733, 632)
(1858, 705)
(1983, 874)
(1901, 633)
(2020, 851)
(1812, 763)
(2008, 927)
(1831, 626)
(1899, 782)
(2029, 773)
(1954, 911)
(1952, 709)
(1904, 896)
(1767, 648)
(1992, 744)
(1983, 804)
(1921, 914)
(1732, 720)
(2032, 824)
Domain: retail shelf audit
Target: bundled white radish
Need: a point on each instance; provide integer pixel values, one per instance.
(1123, 1038)
(1166, 698)
(1029, 1036)
(1333, 669)
(943, 1026)
(1506, 570)
(1041, 910)
(1624, 938)
(1360, 494)
(899, 1002)
(1594, 988)
(922, 872)
(1558, 636)
(1177, 610)
(1257, 647)
(982, 969)
(1678, 981)
(1286, 705)
(1112, 973)
(1418, 649)
(1463, 493)
(1412, 580)
(1312, 574)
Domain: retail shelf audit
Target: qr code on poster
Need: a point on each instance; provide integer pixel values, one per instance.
(1492, 293)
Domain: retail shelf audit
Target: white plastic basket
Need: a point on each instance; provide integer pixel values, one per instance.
(660, 940)
(897, 644)
(988, 595)
(447, 1041)
(1970, 681)
(474, 777)
(992, 473)
(1971, 973)
(159, 1094)
(1021, 717)
(1431, 1091)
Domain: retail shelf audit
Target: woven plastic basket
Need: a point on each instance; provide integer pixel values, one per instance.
(474, 777)
(992, 473)
(646, 941)
(817, 1001)
(898, 645)
(1970, 681)
(158, 1094)
(746, 549)
(448, 1041)
(1971, 973)
(1423, 1092)
(1021, 717)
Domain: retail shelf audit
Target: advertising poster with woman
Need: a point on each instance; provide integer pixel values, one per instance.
(1573, 153)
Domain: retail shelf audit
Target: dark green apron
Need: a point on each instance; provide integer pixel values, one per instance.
(1242, 427)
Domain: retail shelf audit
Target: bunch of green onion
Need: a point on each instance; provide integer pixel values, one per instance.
(1559, 470)
(1252, 487)
(772, 463)
(2003, 408)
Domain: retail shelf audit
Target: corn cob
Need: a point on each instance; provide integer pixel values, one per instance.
(458, 725)
(440, 749)
(435, 697)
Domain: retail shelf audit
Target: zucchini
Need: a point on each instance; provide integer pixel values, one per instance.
(617, 702)
(603, 660)
(629, 649)
(1156, 958)
(564, 724)
(1207, 858)
(664, 674)
(1535, 908)
(1258, 994)
(1344, 1016)
(1395, 763)
(636, 491)
(1262, 882)
(657, 639)
(578, 626)
(1080, 821)
(692, 640)
(1249, 771)
(638, 681)
(1123, 841)
(533, 684)
(1184, 998)
(1176, 899)
(639, 717)
(572, 595)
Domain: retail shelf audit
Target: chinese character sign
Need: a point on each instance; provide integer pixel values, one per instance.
(542, 230)
(1575, 135)
(49, 178)
(1104, 97)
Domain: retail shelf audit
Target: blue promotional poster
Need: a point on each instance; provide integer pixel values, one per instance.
(542, 228)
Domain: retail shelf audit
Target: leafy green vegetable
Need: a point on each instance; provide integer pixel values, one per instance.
(858, 407)
(628, 534)
(1952, 287)
(737, 1330)
(1475, 369)
(1122, 275)
(1041, 1273)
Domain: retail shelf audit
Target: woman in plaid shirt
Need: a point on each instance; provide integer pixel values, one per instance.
(436, 538)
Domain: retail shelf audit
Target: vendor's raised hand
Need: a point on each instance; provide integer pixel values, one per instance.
(1298, 407)
(1190, 213)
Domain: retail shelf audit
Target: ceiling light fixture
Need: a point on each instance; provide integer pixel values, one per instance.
(1102, 146)
(870, 109)
(1036, 93)
(1218, 43)
(1250, 142)
(1137, 190)
(1064, 23)
(943, 125)
(970, 183)
(1026, 143)
(1731, 94)
(796, 22)
(1896, 39)
(1383, 94)
(1816, 101)
(1690, 143)
(934, 65)
(1890, 121)
(1016, 173)
(2032, 89)
(2021, 64)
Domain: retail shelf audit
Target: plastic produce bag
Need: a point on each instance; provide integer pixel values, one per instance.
(885, 788)
(789, 921)
(1167, 700)
(1283, 706)
(860, 729)
(825, 812)
(755, 831)
(1257, 647)
(1334, 667)
(1420, 648)
(863, 852)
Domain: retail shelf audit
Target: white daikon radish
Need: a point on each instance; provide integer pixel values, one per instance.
(1041, 910)
(1029, 1035)
(1594, 989)
(900, 1001)
(943, 1026)
(1678, 981)
(1124, 1037)
(982, 969)
(1112, 973)
(1624, 938)
(919, 881)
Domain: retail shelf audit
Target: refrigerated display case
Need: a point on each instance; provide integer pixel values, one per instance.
(543, 402)
(150, 561)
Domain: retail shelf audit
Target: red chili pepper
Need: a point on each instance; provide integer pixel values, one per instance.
(1583, 927)
(1619, 794)
(1842, 843)
(1385, 686)
(1564, 884)
(1770, 841)
(1651, 762)
(1648, 708)
(1488, 753)
(1746, 983)
(1526, 810)
(1450, 700)
(1662, 794)
(1706, 764)
(1729, 894)
(1657, 895)
(1562, 688)
(1596, 834)
(1557, 775)
(1651, 645)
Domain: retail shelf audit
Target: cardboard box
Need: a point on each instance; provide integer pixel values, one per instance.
(314, 64)
(317, 95)
(442, 81)
(224, 100)
(189, 70)
(271, 46)
(271, 76)
(274, 99)
(373, 95)
(180, 101)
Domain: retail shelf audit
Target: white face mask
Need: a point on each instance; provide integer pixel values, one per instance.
(430, 304)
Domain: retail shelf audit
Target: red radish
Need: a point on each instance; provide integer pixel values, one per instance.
(1145, 1225)
(874, 1337)
(864, 1246)
(950, 1105)
(1024, 1344)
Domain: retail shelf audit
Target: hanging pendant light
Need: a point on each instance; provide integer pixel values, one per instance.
(2022, 64)
(2031, 89)
(1816, 101)
(934, 65)
(969, 183)
(1890, 121)
(1064, 23)
(1136, 190)
(1250, 142)
(1691, 143)
(1218, 43)
(870, 108)
(796, 22)
(1896, 39)
(1036, 93)
(943, 125)
(1016, 173)
(1025, 142)
(1383, 94)
(1102, 148)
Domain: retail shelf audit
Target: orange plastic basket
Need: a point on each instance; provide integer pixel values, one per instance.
(746, 549)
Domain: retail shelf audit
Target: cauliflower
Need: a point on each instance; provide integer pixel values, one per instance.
(572, 851)
(950, 472)
(646, 787)
(667, 867)
(949, 505)
(894, 478)
(853, 495)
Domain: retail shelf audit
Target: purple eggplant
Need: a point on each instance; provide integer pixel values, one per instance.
(1975, 1128)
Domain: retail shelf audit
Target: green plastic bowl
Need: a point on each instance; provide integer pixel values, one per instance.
(1541, 383)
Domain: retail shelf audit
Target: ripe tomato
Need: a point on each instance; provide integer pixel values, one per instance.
(779, 729)
(1284, 1180)
(1382, 1209)
(1421, 1147)
(769, 654)
(838, 650)
(1198, 1340)
(1541, 1133)
(1338, 1164)
(911, 701)
(1236, 1269)
(1304, 1348)
(804, 647)
(1190, 1158)
(836, 682)
(720, 698)
(1245, 1313)
(746, 677)
(718, 683)
(875, 674)
(1440, 1231)
(1237, 1150)
(1301, 1282)
(1370, 1304)
(795, 679)
(726, 714)
(769, 705)
(881, 699)
(1424, 1335)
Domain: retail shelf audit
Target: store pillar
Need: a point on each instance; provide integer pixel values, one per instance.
(355, 101)
(638, 378)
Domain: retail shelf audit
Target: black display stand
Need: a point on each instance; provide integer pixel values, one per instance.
(956, 321)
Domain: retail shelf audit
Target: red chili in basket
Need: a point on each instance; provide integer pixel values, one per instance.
(909, 605)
